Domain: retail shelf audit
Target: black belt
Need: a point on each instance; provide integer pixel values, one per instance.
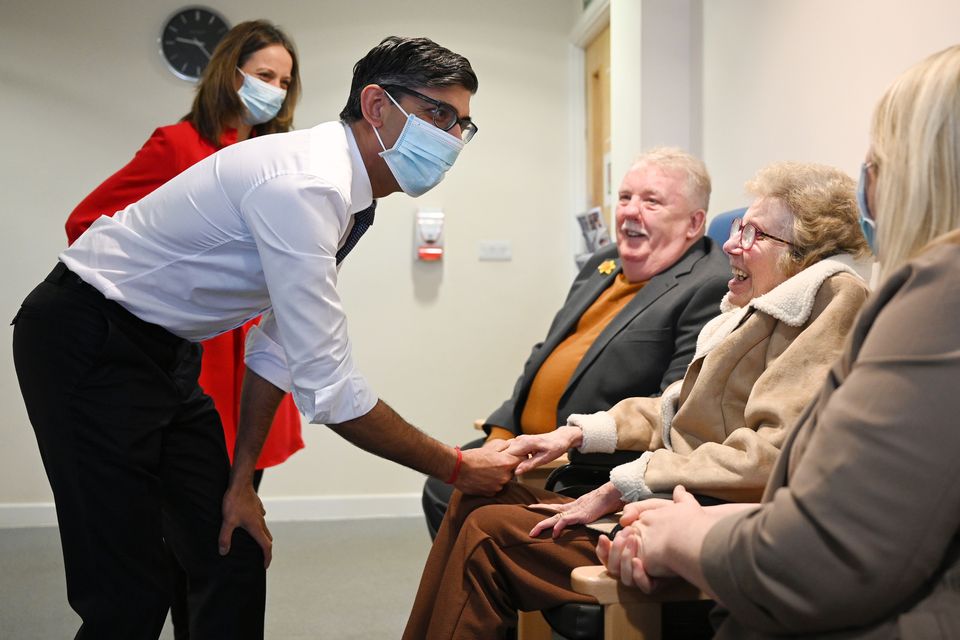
(62, 275)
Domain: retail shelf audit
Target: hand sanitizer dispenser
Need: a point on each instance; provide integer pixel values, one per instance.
(428, 236)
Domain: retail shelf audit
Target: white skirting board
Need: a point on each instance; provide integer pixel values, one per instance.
(289, 509)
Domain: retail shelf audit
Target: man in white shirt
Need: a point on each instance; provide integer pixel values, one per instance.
(106, 353)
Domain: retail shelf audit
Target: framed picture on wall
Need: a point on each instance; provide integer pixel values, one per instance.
(594, 229)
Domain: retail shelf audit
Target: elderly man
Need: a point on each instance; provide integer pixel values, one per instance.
(630, 322)
(107, 356)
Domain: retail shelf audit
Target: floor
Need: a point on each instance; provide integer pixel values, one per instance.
(342, 580)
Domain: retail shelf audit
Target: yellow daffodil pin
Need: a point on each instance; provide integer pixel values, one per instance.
(607, 267)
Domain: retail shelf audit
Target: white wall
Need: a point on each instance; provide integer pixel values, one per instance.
(655, 67)
(82, 86)
(798, 80)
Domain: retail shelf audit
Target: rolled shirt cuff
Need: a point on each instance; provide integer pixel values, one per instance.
(599, 431)
(347, 398)
(628, 478)
(341, 395)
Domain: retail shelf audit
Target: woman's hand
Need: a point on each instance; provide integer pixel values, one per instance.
(544, 447)
(584, 509)
(632, 511)
(622, 558)
(662, 539)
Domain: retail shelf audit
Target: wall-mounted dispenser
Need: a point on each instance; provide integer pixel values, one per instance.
(428, 236)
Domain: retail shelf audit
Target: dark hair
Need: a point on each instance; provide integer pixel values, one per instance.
(407, 62)
(217, 100)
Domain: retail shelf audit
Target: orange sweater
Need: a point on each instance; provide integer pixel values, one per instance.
(540, 409)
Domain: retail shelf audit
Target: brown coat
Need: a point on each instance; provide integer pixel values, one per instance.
(860, 530)
(755, 370)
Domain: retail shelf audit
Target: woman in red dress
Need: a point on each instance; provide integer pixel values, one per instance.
(250, 87)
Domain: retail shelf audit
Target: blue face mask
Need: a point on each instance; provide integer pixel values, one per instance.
(261, 99)
(421, 156)
(867, 224)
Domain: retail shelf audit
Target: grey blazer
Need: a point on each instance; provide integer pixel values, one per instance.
(645, 347)
(859, 533)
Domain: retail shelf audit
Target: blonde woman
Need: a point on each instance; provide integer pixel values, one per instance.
(858, 529)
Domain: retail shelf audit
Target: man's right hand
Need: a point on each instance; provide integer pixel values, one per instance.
(484, 471)
(242, 508)
(497, 444)
(383, 432)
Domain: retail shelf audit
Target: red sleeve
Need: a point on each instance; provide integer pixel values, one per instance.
(221, 376)
(156, 162)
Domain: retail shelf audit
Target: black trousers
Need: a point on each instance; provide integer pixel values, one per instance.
(135, 455)
(179, 604)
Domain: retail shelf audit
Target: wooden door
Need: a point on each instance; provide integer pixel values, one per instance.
(600, 186)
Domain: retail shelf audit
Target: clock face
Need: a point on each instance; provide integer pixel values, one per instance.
(188, 40)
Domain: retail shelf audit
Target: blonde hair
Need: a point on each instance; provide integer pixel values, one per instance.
(698, 180)
(823, 203)
(916, 146)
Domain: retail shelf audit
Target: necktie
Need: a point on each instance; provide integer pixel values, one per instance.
(362, 220)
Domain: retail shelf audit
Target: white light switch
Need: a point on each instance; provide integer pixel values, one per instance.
(495, 250)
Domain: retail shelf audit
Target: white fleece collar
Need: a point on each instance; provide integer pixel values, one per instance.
(790, 302)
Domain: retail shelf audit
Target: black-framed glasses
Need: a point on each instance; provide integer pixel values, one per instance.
(748, 234)
(445, 117)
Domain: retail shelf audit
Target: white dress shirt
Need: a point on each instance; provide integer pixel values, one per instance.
(253, 229)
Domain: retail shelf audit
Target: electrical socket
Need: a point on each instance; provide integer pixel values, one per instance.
(495, 250)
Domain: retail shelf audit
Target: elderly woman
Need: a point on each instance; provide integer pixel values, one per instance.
(858, 531)
(792, 299)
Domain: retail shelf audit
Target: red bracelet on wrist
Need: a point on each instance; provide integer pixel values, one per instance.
(456, 467)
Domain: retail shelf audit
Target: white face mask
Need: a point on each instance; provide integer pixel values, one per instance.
(421, 156)
(261, 99)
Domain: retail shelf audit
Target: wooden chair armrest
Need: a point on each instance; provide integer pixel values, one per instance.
(630, 614)
(553, 464)
(538, 477)
(595, 581)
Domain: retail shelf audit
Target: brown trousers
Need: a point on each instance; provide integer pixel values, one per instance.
(484, 566)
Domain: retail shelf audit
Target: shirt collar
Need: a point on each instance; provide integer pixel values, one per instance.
(361, 192)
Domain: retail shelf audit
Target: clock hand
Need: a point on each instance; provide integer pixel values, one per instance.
(196, 42)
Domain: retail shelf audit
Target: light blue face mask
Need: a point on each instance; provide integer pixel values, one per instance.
(421, 156)
(261, 99)
(867, 224)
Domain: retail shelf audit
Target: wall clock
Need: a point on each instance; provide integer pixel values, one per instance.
(188, 39)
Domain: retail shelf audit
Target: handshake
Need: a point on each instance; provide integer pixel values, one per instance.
(486, 470)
